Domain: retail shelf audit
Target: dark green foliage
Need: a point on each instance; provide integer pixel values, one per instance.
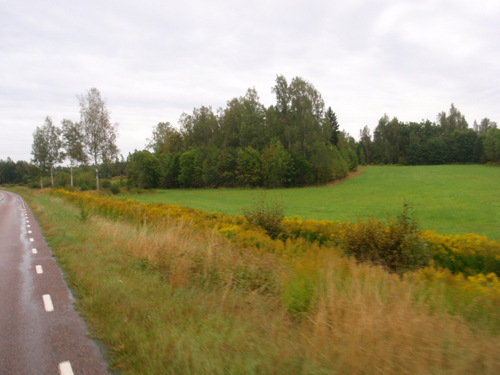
(460, 146)
(249, 167)
(142, 170)
(106, 184)
(277, 165)
(114, 189)
(492, 146)
(219, 168)
(190, 169)
(445, 142)
(62, 179)
(303, 171)
(289, 144)
(328, 163)
(332, 126)
(15, 173)
(169, 169)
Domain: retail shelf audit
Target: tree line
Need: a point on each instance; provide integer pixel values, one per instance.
(294, 142)
(447, 140)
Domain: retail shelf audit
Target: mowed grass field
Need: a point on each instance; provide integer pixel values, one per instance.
(449, 199)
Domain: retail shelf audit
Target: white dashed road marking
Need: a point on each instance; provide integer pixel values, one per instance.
(39, 269)
(65, 368)
(32, 240)
(34, 251)
(47, 302)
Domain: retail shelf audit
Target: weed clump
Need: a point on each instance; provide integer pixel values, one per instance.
(397, 244)
(267, 215)
(84, 214)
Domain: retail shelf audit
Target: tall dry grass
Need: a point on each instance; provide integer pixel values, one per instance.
(367, 321)
(187, 256)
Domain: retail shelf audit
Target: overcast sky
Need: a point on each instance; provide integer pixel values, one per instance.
(152, 60)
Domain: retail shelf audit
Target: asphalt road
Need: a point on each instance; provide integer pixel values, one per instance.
(40, 331)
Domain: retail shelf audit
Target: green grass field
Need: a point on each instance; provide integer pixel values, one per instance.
(449, 199)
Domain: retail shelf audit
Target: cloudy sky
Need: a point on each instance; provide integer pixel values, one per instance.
(152, 60)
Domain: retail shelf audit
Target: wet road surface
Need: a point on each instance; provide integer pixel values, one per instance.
(40, 332)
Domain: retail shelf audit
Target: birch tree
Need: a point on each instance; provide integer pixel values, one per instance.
(99, 133)
(46, 148)
(73, 143)
(39, 150)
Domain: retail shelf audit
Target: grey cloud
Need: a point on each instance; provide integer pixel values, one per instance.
(153, 60)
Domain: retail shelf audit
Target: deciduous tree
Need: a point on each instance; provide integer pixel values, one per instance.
(73, 143)
(249, 167)
(485, 125)
(142, 170)
(46, 148)
(277, 165)
(492, 146)
(453, 121)
(191, 168)
(99, 133)
(165, 139)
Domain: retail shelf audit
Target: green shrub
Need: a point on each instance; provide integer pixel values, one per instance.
(266, 215)
(106, 184)
(397, 244)
(84, 214)
(114, 189)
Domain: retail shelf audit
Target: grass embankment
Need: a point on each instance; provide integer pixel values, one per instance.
(449, 199)
(174, 298)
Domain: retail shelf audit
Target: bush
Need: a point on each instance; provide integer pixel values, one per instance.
(84, 214)
(114, 189)
(268, 216)
(397, 245)
(62, 179)
(106, 184)
(86, 187)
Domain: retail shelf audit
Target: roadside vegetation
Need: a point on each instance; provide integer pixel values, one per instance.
(178, 290)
